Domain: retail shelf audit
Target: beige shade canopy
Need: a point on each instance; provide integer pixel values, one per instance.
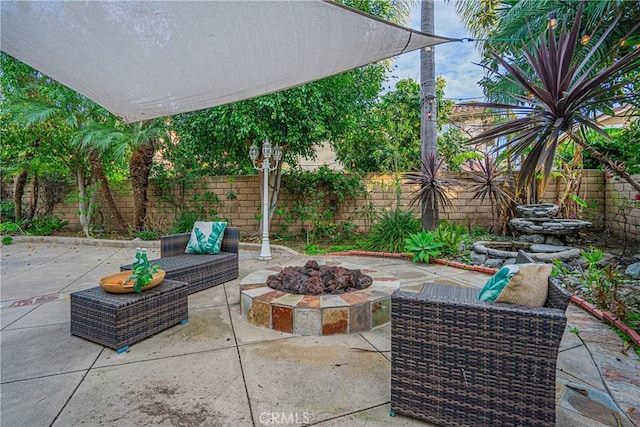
(147, 59)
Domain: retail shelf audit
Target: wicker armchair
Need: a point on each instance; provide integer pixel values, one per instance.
(199, 271)
(457, 361)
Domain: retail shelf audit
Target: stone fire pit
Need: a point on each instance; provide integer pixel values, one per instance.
(341, 313)
(315, 279)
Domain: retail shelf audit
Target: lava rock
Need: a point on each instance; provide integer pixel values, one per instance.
(313, 279)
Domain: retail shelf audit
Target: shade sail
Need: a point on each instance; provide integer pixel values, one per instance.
(147, 59)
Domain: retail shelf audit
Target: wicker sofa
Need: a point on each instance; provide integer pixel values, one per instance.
(199, 271)
(457, 361)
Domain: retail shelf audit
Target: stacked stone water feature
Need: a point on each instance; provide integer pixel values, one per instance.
(541, 235)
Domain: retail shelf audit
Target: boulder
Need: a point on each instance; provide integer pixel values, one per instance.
(494, 263)
(633, 271)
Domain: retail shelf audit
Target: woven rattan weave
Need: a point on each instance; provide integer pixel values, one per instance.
(457, 361)
(119, 320)
(199, 271)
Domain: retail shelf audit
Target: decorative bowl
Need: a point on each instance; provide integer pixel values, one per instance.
(118, 283)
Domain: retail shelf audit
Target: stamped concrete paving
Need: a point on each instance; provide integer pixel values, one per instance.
(220, 370)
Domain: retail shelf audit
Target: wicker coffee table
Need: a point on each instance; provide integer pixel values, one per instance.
(119, 320)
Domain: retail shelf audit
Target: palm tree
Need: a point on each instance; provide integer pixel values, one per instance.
(141, 139)
(50, 102)
(564, 92)
(428, 113)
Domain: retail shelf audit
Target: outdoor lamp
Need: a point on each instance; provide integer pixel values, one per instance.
(585, 38)
(553, 22)
(254, 152)
(266, 148)
(267, 165)
(277, 153)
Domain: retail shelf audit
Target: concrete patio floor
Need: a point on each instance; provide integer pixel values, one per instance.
(217, 369)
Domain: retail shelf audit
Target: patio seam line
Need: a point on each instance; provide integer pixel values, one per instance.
(237, 347)
(372, 345)
(11, 323)
(597, 387)
(75, 389)
(350, 413)
(37, 377)
(132, 362)
(89, 271)
(604, 382)
(30, 327)
(570, 348)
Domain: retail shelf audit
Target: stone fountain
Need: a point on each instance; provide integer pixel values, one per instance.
(541, 235)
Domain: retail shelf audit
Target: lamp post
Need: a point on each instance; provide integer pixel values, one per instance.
(267, 152)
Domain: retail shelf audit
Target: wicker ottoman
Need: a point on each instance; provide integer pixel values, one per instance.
(119, 320)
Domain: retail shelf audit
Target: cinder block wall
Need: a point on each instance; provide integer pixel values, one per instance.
(240, 202)
(622, 209)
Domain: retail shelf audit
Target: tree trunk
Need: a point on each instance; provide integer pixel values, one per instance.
(85, 203)
(275, 192)
(428, 127)
(139, 169)
(35, 193)
(18, 192)
(98, 171)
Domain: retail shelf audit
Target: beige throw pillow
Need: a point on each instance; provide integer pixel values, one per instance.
(529, 286)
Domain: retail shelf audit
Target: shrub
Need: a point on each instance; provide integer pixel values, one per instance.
(450, 235)
(147, 235)
(184, 222)
(7, 211)
(391, 229)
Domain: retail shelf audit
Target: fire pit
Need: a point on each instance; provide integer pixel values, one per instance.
(359, 299)
(315, 279)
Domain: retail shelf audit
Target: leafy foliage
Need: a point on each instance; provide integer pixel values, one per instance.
(564, 89)
(422, 246)
(451, 236)
(142, 275)
(391, 229)
(318, 196)
(387, 135)
(503, 25)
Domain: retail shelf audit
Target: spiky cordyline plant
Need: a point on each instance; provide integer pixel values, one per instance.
(490, 181)
(433, 186)
(565, 88)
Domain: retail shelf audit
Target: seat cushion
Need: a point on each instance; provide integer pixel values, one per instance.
(206, 238)
(521, 284)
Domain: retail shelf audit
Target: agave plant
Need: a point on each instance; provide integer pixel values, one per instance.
(422, 246)
(433, 187)
(565, 89)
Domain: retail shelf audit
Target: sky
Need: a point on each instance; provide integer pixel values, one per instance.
(454, 61)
